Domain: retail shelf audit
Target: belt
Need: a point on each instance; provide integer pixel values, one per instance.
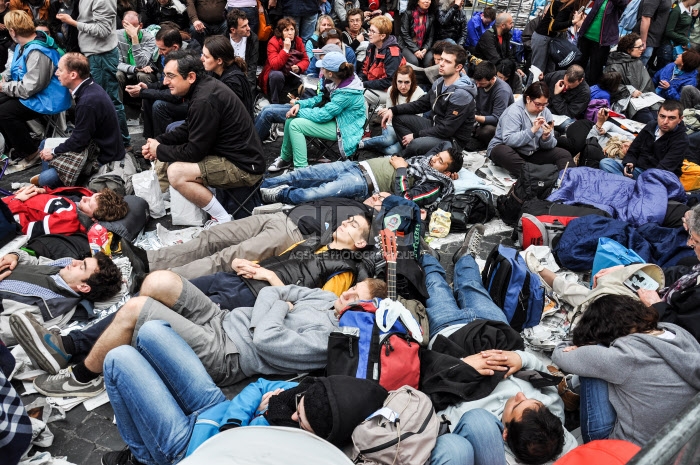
(368, 179)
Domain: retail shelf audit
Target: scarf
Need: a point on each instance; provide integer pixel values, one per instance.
(684, 282)
(130, 56)
(421, 171)
(420, 18)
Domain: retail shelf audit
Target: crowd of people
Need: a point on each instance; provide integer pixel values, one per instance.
(411, 85)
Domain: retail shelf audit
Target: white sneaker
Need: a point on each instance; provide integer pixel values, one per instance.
(270, 195)
(279, 165)
(533, 263)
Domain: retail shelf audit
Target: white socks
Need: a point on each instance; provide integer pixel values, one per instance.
(217, 211)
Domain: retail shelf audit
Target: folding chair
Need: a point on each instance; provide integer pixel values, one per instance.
(239, 202)
(54, 125)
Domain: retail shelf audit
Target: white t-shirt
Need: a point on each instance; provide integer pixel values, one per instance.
(239, 48)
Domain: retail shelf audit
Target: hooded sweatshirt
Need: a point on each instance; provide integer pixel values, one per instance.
(650, 378)
(347, 107)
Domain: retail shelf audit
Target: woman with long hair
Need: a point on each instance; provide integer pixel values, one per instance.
(404, 88)
(558, 17)
(323, 24)
(340, 116)
(417, 32)
(285, 55)
(636, 373)
(219, 59)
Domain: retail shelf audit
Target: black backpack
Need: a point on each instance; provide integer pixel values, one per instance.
(471, 207)
(55, 246)
(534, 182)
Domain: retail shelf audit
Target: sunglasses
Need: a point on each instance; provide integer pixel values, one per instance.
(330, 33)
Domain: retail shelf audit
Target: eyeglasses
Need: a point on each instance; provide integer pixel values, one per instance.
(171, 76)
(372, 31)
(538, 104)
(638, 47)
(330, 32)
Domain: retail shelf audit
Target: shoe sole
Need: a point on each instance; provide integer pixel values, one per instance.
(32, 344)
(68, 393)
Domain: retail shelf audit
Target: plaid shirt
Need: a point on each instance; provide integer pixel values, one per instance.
(71, 165)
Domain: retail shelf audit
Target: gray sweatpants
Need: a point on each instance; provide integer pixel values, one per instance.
(199, 321)
(254, 238)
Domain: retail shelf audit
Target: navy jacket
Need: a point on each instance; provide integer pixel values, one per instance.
(95, 119)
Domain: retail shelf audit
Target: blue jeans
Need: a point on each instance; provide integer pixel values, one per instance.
(306, 25)
(387, 144)
(597, 413)
(613, 166)
(468, 301)
(49, 176)
(338, 179)
(157, 389)
(477, 439)
(273, 113)
(103, 68)
(646, 55)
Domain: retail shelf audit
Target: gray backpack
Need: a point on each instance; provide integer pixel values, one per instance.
(407, 437)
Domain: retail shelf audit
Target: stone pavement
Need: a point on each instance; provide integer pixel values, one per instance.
(83, 437)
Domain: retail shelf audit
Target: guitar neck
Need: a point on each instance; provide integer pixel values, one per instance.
(391, 279)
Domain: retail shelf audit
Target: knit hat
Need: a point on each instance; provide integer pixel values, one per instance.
(318, 409)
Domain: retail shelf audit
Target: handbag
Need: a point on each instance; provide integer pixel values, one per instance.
(295, 56)
(611, 253)
(264, 28)
(563, 53)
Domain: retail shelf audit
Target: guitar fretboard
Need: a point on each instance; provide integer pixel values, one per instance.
(391, 279)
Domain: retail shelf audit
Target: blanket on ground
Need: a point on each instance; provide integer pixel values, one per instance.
(635, 202)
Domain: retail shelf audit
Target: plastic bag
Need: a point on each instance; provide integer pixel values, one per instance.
(146, 186)
(184, 212)
(611, 253)
(440, 222)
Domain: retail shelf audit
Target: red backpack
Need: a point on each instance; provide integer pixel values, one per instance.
(542, 229)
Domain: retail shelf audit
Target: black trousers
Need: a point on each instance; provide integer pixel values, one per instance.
(506, 157)
(13, 125)
(595, 56)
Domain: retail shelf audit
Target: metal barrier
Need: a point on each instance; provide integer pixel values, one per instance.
(678, 441)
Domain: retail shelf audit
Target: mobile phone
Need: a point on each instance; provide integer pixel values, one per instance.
(606, 111)
(580, 10)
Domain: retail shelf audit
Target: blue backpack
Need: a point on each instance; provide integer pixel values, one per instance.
(629, 17)
(513, 287)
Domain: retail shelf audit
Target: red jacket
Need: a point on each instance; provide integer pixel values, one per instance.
(49, 213)
(277, 59)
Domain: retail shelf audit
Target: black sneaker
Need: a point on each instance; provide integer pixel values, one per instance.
(472, 242)
(120, 457)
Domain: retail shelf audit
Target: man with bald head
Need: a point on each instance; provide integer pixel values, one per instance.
(494, 44)
(136, 50)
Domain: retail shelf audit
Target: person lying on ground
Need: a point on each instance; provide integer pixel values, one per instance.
(677, 303)
(42, 211)
(516, 418)
(424, 179)
(187, 403)
(284, 331)
(636, 374)
(52, 291)
(258, 237)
